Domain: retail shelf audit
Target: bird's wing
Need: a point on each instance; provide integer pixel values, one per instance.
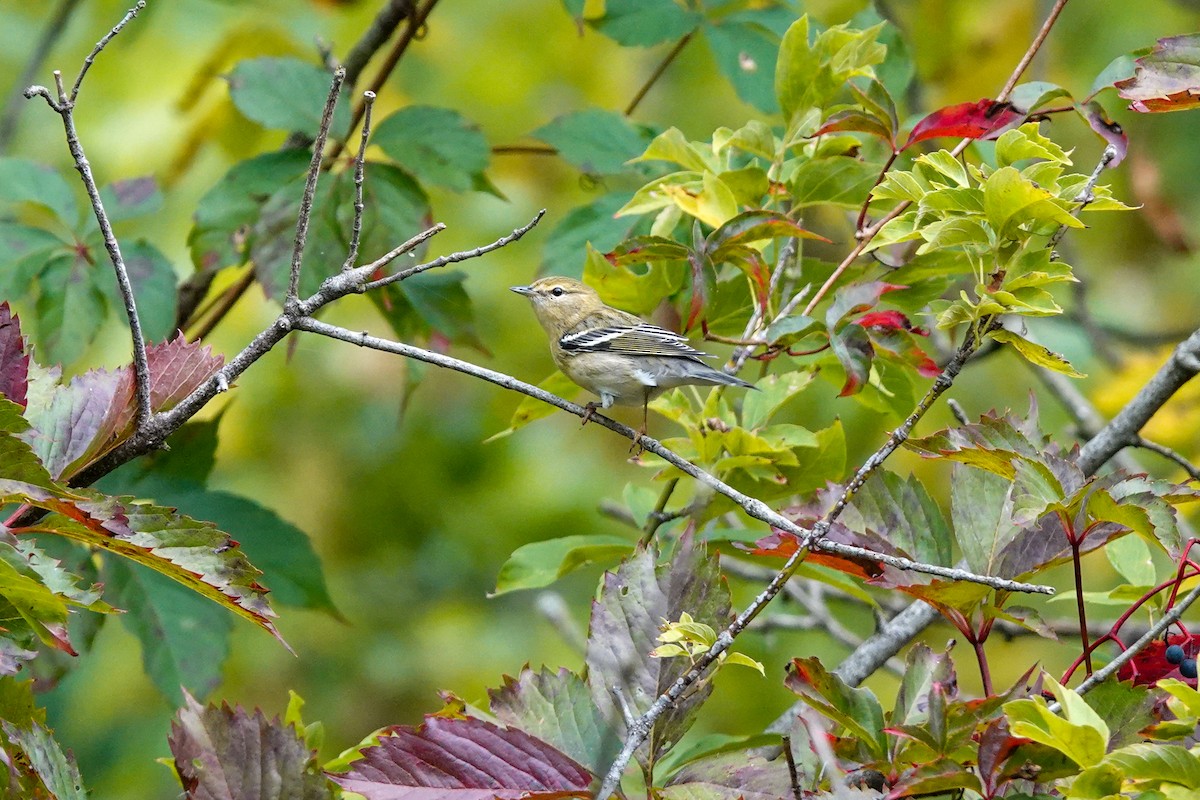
(642, 339)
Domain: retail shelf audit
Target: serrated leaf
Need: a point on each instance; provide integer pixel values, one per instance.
(437, 145)
(730, 776)
(57, 770)
(285, 94)
(192, 552)
(538, 564)
(463, 759)
(856, 710)
(1166, 79)
(230, 754)
(557, 708)
(624, 629)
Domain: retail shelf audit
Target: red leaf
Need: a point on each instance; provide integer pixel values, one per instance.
(885, 320)
(858, 121)
(986, 119)
(1150, 665)
(14, 361)
(463, 759)
(1168, 79)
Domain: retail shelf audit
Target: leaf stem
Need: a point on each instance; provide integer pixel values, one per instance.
(658, 72)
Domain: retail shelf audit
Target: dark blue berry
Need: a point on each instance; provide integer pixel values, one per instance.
(1188, 668)
(1174, 654)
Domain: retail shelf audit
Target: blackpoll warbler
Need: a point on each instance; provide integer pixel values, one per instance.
(612, 353)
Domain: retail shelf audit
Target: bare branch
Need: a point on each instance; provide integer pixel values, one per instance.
(381, 29)
(359, 167)
(100, 45)
(658, 73)
(310, 189)
(1169, 454)
(463, 255)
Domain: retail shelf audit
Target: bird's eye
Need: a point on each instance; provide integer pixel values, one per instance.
(557, 291)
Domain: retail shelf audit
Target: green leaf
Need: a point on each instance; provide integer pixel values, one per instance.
(836, 180)
(1036, 354)
(671, 145)
(808, 75)
(184, 637)
(557, 708)
(856, 710)
(594, 224)
(1082, 736)
(530, 409)
(23, 181)
(979, 513)
(597, 141)
(153, 280)
(1147, 761)
(285, 94)
(774, 391)
(24, 253)
(1010, 199)
(226, 213)
(1130, 557)
(638, 23)
(745, 46)
(437, 145)
(70, 308)
(539, 564)
(58, 771)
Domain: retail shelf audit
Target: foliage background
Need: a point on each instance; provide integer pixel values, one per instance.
(411, 513)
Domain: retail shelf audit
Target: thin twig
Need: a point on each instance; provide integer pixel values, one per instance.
(524, 149)
(310, 189)
(1167, 453)
(656, 517)
(380, 30)
(65, 108)
(12, 106)
(1086, 195)
(793, 775)
(359, 168)
(100, 45)
(658, 72)
(405, 274)
(1034, 47)
(416, 22)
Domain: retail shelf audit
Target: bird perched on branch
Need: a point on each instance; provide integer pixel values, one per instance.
(612, 353)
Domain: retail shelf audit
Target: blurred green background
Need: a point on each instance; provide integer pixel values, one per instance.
(410, 511)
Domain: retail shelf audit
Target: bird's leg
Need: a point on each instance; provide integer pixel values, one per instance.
(587, 415)
(636, 449)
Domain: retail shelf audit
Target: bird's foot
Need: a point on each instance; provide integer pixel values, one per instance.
(636, 449)
(587, 415)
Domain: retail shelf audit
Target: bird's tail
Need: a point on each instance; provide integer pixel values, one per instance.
(718, 378)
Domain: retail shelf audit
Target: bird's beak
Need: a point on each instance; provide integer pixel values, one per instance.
(525, 290)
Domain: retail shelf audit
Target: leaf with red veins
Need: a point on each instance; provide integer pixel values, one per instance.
(856, 298)
(230, 754)
(14, 359)
(985, 119)
(1106, 128)
(91, 415)
(463, 759)
(1167, 79)
(190, 551)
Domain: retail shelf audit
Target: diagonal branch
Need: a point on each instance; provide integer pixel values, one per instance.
(54, 30)
(100, 45)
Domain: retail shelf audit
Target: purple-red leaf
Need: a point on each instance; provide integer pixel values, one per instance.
(557, 707)
(985, 119)
(14, 360)
(463, 759)
(1105, 128)
(229, 754)
(859, 122)
(854, 352)
(1168, 79)
(84, 419)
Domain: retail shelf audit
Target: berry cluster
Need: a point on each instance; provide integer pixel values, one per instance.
(1187, 666)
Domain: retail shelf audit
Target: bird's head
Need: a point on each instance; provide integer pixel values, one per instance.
(559, 300)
